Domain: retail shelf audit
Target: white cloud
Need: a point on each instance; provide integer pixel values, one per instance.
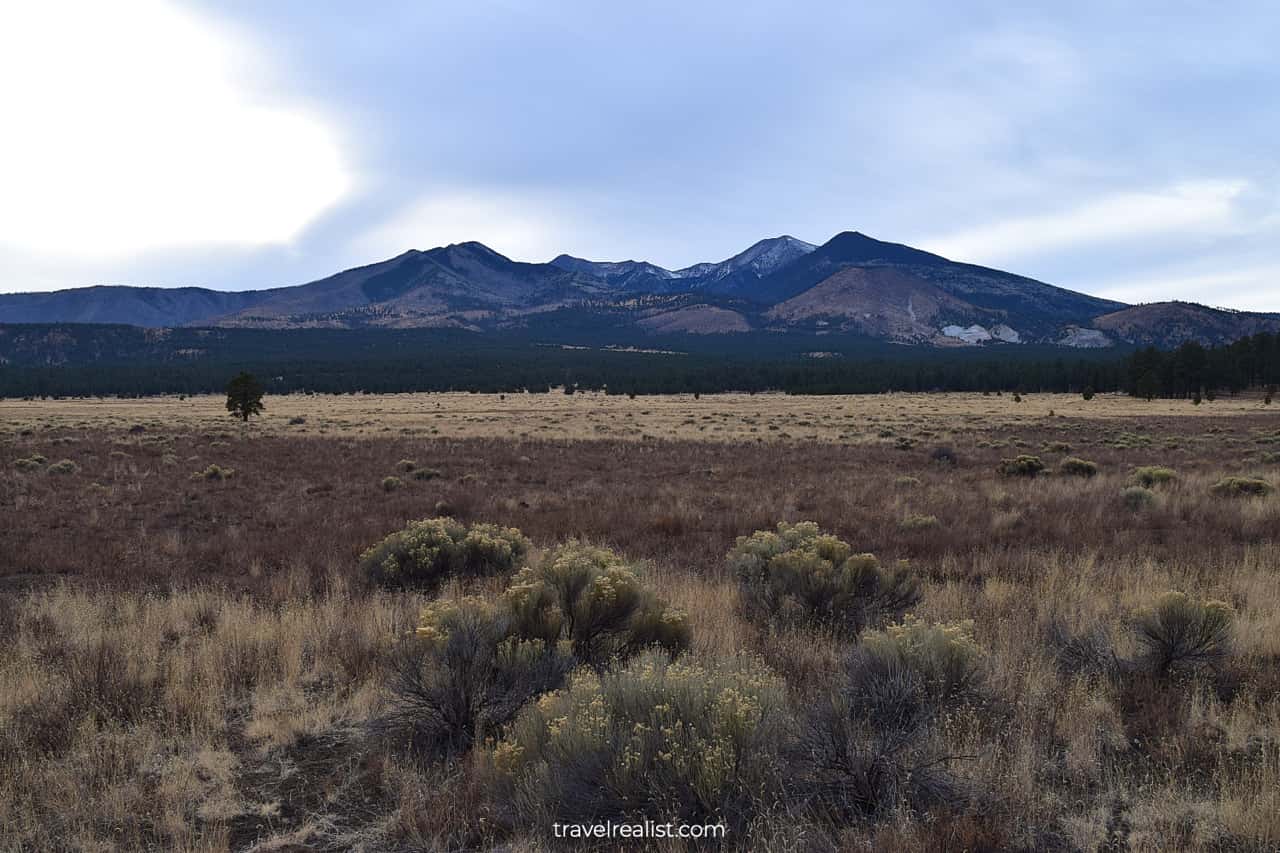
(1247, 288)
(130, 127)
(1195, 206)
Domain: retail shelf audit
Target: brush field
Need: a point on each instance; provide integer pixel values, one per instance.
(197, 657)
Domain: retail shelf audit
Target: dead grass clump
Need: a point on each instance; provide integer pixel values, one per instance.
(799, 573)
(425, 553)
(1023, 465)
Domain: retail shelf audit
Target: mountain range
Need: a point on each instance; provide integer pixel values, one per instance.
(850, 285)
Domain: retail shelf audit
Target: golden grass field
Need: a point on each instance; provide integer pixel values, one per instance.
(586, 415)
(196, 663)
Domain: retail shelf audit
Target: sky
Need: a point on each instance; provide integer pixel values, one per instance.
(1129, 150)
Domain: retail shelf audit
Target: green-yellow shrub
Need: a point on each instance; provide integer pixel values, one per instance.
(945, 656)
(64, 466)
(1074, 467)
(1239, 487)
(799, 573)
(1137, 498)
(674, 741)
(1023, 465)
(1149, 476)
(594, 600)
(215, 473)
(426, 552)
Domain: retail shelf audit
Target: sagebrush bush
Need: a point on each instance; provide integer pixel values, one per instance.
(1137, 497)
(1057, 447)
(945, 656)
(917, 523)
(1023, 465)
(390, 484)
(1239, 487)
(871, 748)
(1149, 476)
(425, 474)
(1075, 467)
(426, 552)
(668, 741)
(214, 473)
(28, 464)
(63, 466)
(465, 675)
(799, 573)
(406, 466)
(1180, 632)
(591, 598)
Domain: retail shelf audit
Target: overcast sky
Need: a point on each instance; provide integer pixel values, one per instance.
(1130, 150)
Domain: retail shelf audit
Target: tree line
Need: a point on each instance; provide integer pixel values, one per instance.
(1193, 370)
(482, 366)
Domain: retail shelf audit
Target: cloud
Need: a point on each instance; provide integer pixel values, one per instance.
(133, 127)
(1195, 206)
(1246, 288)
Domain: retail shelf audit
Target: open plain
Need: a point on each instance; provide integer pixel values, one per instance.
(196, 659)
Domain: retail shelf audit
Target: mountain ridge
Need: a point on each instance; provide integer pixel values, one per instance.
(851, 284)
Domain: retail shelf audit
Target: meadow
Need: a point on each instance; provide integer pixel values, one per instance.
(1068, 637)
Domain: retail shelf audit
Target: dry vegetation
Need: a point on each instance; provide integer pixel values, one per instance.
(196, 659)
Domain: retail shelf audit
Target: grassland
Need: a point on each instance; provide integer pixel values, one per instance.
(196, 662)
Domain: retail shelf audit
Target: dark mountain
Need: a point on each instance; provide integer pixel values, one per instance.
(463, 285)
(139, 306)
(851, 285)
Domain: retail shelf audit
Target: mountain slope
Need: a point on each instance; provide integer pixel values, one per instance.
(1167, 324)
(1023, 303)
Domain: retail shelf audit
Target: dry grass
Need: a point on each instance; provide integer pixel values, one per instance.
(594, 415)
(194, 664)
